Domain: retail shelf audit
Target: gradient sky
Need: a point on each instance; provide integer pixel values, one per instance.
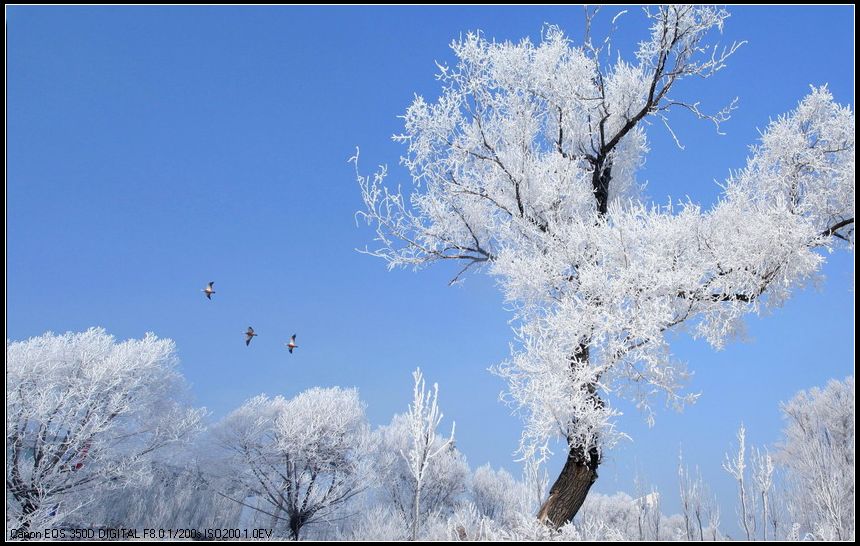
(153, 149)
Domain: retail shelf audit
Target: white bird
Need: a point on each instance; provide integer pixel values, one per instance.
(292, 344)
(208, 290)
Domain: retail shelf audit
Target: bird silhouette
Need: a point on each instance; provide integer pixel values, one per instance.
(249, 335)
(208, 290)
(292, 344)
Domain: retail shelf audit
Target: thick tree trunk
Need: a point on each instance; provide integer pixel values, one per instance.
(568, 492)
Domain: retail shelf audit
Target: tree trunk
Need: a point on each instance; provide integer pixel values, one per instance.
(570, 488)
(600, 180)
(416, 509)
(296, 524)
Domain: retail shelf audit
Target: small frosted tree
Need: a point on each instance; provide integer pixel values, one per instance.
(700, 509)
(425, 445)
(817, 453)
(690, 489)
(526, 166)
(303, 459)
(443, 483)
(762, 474)
(736, 467)
(84, 414)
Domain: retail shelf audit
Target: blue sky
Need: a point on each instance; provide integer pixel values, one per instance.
(153, 149)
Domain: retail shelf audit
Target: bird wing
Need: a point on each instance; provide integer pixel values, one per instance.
(210, 284)
(293, 338)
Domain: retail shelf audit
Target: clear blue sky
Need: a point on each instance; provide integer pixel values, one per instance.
(153, 149)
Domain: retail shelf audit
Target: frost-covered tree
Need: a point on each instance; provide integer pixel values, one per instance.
(817, 453)
(700, 510)
(762, 474)
(421, 472)
(536, 480)
(736, 466)
(498, 495)
(619, 512)
(690, 489)
(443, 481)
(378, 522)
(85, 414)
(303, 459)
(526, 166)
(179, 496)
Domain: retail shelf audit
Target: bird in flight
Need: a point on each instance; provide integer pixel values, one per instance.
(208, 290)
(249, 335)
(292, 344)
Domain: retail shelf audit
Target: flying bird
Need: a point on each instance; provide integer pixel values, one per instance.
(208, 290)
(249, 335)
(292, 344)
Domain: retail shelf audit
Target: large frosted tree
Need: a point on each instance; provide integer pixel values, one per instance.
(525, 167)
(85, 413)
(303, 459)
